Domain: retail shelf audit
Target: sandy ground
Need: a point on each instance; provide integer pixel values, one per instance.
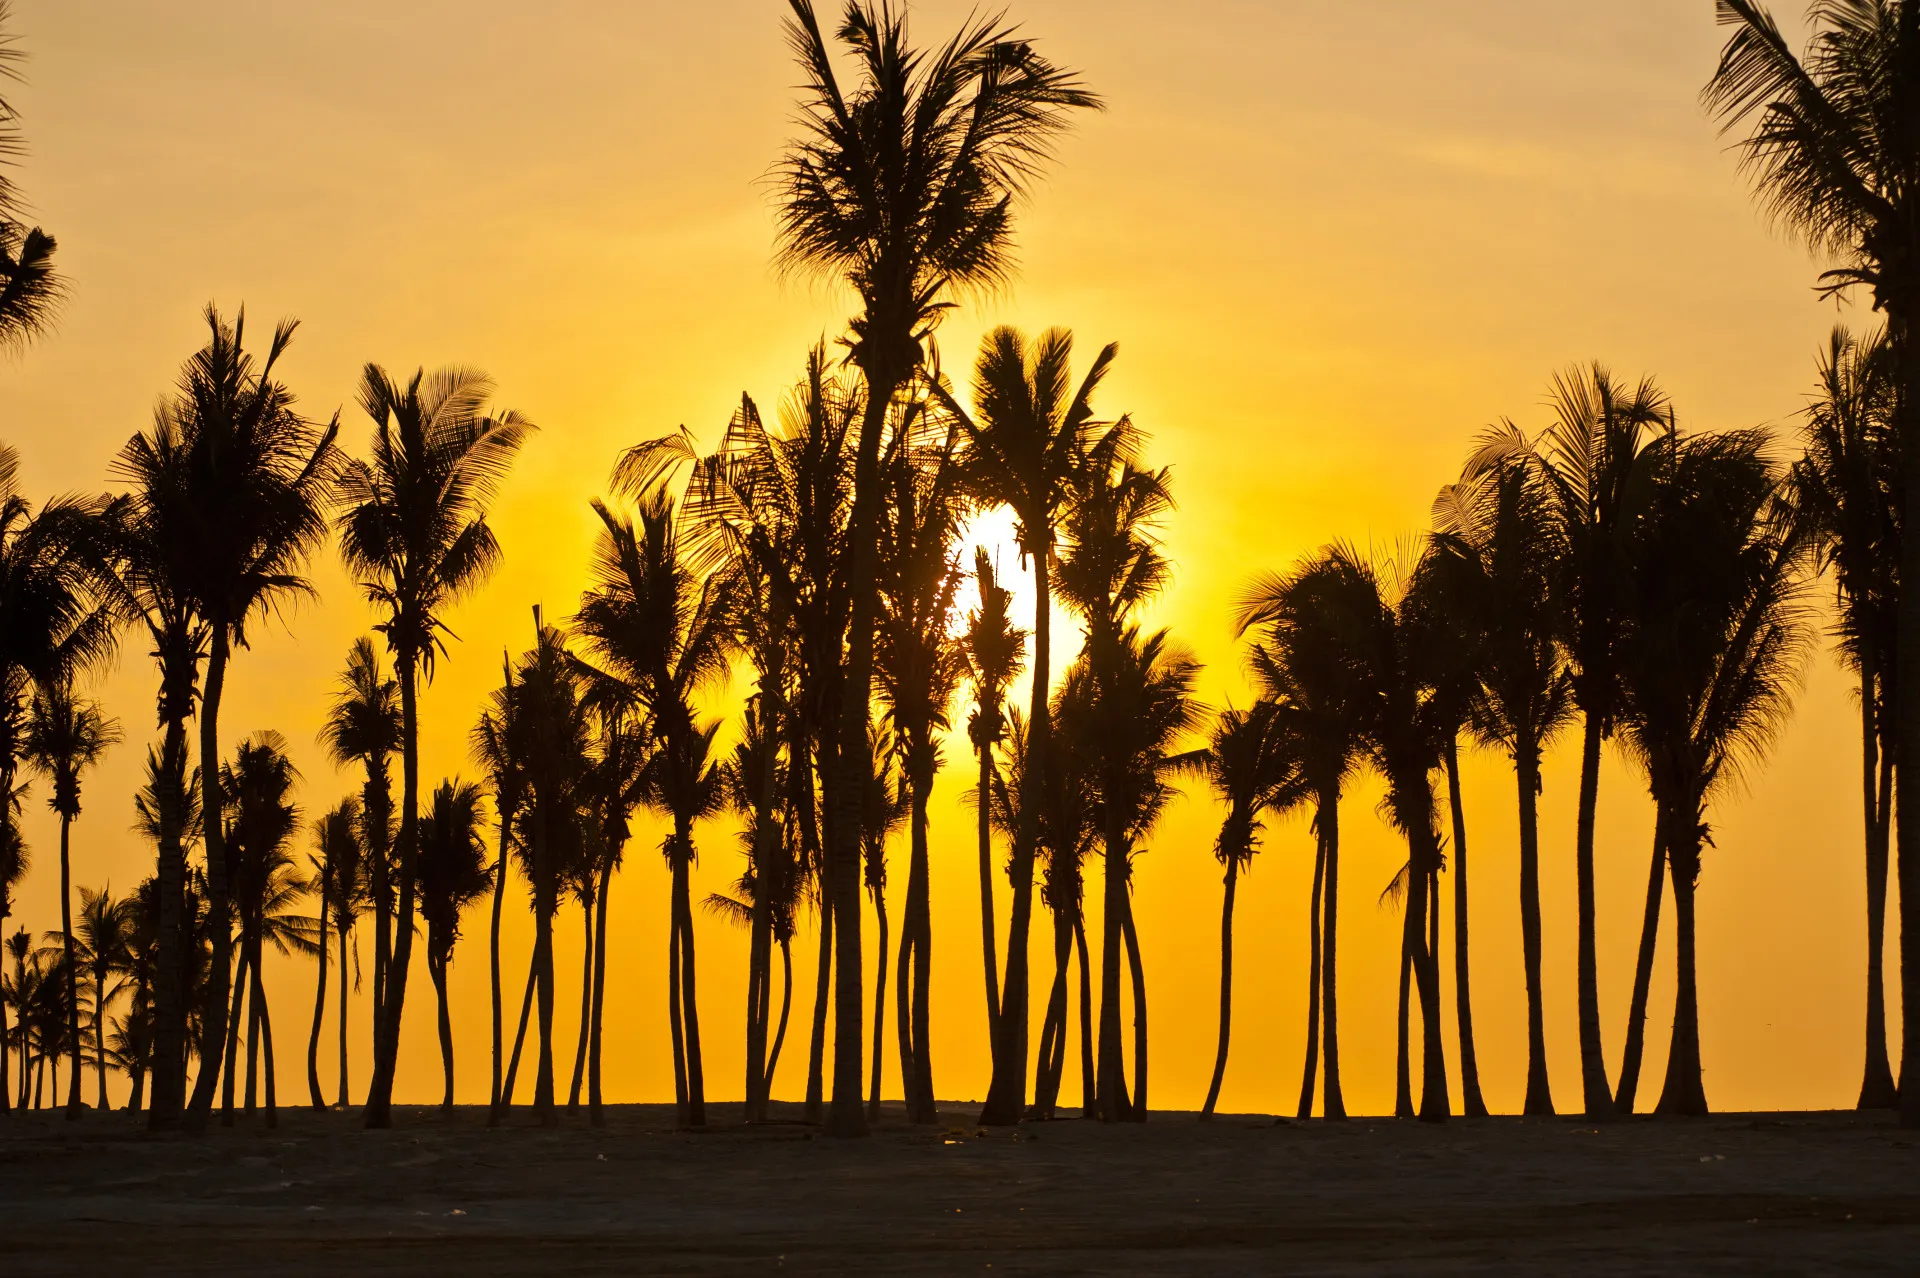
(1777, 1193)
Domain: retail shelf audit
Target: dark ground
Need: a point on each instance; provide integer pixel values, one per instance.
(1746, 1194)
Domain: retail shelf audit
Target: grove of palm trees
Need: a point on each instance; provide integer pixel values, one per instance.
(882, 700)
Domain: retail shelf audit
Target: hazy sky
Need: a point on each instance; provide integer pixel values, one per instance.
(1333, 242)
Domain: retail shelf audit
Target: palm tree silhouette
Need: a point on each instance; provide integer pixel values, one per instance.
(338, 880)
(995, 653)
(1828, 146)
(904, 186)
(1253, 765)
(1025, 446)
(66, 736)
(1845, 488)
(453, 875)
(30, 288)
(415, 533)
(497, 745)
(884, 811)
(613, 790)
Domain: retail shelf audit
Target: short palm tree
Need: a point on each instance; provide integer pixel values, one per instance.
(454, 874)
(362, 729)
(66, 736)
(902, 184)
(1828, 144)
(415, 534)
(1252, 764)
(995, 651)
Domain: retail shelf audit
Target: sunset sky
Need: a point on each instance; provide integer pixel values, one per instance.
(1333, 242)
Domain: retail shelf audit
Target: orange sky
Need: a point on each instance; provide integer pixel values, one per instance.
(1332, 241)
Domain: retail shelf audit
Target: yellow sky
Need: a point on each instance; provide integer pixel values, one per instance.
(1333, 241)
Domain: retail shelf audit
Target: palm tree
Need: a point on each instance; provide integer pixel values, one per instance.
(1254, 767)
(995, 653)
(363, 728)
(65, 737)
(904, 186)
(1845, 488)
(103, 949)
(1712, 647)
(885, 810)
(30, 288)
(13, 869)
(336, 865)
(497, 746)
(1024, 449)
(613, 789)
(256, 479)
(415, 533)
(663, 635)
(1828, 146)
(453, 875)
(1497, 553)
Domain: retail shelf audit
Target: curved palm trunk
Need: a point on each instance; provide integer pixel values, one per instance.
(586, 1008)
(172, 944)
(1089, 1095)
(921, 1107)
(1333, 1102)
(1471, 1102)
(226, 1057)
(685, 1008)
(1402, 1057)
(265, 1019)
(1226, 987)
(1643, 969)
(879, 1002)
(1434, 1103)
(314, 1095)
(76, 1072)
(988, 953)
(822, 1003)
(1051, 1065)
(493, 962)
(1596, 1094)
(1137, 970)
(214, 848)
(1907, 723)
(1114, 1103)
(594, 1114)
(1539, 1098)
(1876, 1084)
(345, 1099)
(520, 1034)
(1309, 1070)
(1684, 1092)
(786, 1005)
(393, 997)
(545, 906)
(437, 969)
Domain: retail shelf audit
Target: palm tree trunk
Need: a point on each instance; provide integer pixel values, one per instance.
(265, 1019)
(493, 959)
(1471, 1102)
(1907, 722)
(100, 1035)
(1089, 1093)
(393, 996)
(380, 882)
(73, 973)
(988, 952)
(226, 1058)
(689, 1004)
(786, 1004)
(759, 976)
(594, 1114)
(136, 1095)
(1137, 969)
(1006, 1095)
(879, 895)
(172, 943)
(520, 1034)
(1226, 987)
(586, 1008)
(1683, 1092)
(253, 1029)
(1053, 1025)
(1434, 1103)
(345, 1099)
(1333, 1102)
(1403, 1057)
(545, 906)
(6, 1041)
(1643, 969)
(214, 849)
(437, 969)
(1308, 1070)
(1876, 1085)
(1596, 1094)
(902, 1013)
(319, 995)
(1526, 766)
(921, 1107)
(822, 1002)
(1114, 1104)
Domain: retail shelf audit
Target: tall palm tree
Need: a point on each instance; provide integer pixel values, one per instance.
(257, 480)
(66, 736)
(1496, 555)
(662, 633)
(362, 729)
(497, 745)
(337, 879)
(103, 949)
(453, 875)
(995, 651)
(1711, 651)
(415, 533)
(1845, 489)
(903, 185)
(1252, 764)
(1828, 145)
(1025, 445)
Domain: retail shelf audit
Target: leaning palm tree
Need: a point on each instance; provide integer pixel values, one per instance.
(1715, 637)
(103, 949)
(995, 651)
(903, 184)
(415, 533)
(1845, 488)
(1025, 445)
(258, 477)
(1829, 146)
(66, 736)
(336, 865)
(1252, 763)
(454, 874)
